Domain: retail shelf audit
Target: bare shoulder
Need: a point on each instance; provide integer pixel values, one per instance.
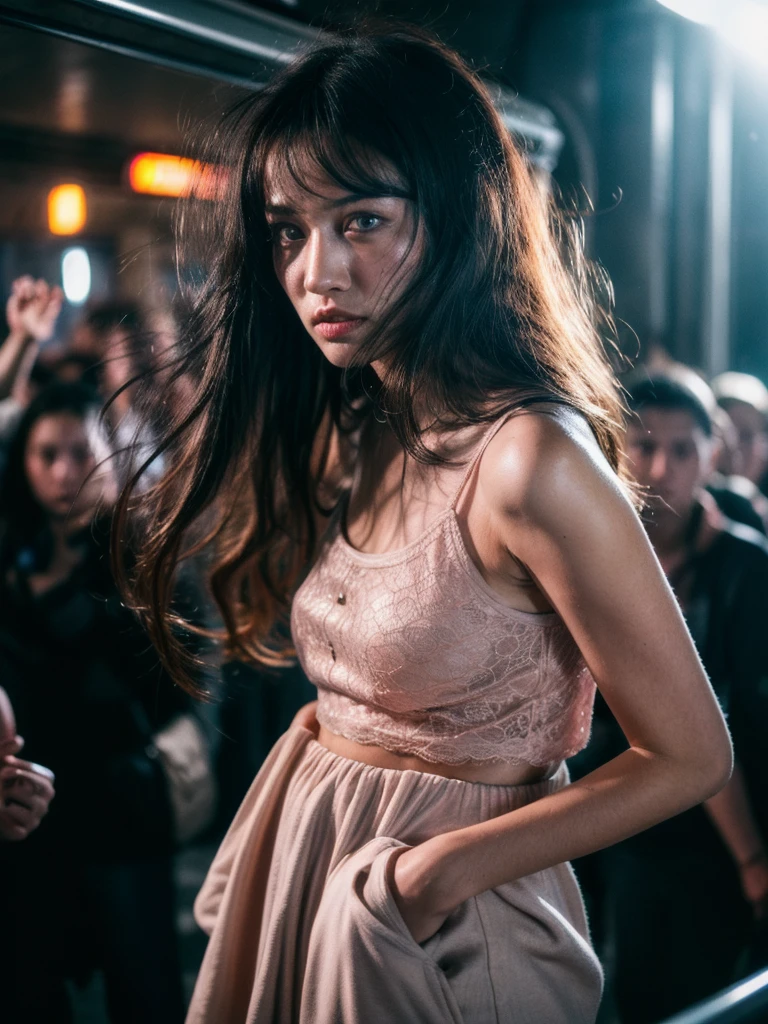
(546, 462)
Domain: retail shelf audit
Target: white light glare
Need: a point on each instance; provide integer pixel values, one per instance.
(76, 275)
(743, 23)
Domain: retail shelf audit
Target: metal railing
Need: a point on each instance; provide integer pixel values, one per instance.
(743, 1003)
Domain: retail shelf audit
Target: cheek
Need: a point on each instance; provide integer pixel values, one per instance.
(38, 476)
(287, 274)
(690, 472)
(639, 463)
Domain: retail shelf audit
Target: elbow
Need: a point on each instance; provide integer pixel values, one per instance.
(715, 773)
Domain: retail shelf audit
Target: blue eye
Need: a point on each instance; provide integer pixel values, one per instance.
(365, 221)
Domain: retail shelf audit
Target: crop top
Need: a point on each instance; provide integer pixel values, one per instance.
(411, 650)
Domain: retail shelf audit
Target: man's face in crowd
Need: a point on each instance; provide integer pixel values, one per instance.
(671, 456)
(753, 438)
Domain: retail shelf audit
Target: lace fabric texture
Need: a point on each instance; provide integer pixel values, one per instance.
(414, 652)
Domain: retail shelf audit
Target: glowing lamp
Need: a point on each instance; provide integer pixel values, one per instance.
(159, 174)
(67, 210)
(76, 275)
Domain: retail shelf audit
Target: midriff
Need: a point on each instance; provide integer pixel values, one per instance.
(379, 757)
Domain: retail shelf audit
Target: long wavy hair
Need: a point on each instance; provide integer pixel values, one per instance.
(501, 311)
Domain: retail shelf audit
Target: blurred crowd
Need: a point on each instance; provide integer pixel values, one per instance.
(120, 768)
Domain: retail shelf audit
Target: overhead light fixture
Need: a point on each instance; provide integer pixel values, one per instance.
(76, 275)
(67, 210)
(160, 174)
(742, 23)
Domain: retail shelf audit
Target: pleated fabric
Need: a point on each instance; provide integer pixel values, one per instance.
(304, 929)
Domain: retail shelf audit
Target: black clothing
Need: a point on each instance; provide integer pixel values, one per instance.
(676, 918)
(257, 707)
(732, 497)
(88, 693)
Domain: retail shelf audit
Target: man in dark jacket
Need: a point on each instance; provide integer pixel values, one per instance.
(684, 896)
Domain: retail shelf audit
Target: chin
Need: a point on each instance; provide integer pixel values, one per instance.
(338, 353)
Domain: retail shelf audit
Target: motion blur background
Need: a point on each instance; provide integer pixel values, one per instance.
(661, 121)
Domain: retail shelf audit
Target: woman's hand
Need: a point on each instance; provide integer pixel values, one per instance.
(26, 791)
(306, 717)
(33, 308)
(418, 886)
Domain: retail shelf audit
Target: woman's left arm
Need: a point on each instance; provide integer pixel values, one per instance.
(559, 509)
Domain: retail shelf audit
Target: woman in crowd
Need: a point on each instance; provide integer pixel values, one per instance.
(92, 885)
(389, 332)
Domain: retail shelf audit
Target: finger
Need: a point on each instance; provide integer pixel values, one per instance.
(10, 831)
(26, 290)
(55, 301)
(10, 747)
(18, 814)
(26, 784)
(29, 766)
(22, 284)
(7, 719)
(31, 806)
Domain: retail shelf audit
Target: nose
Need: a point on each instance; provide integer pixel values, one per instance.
(327, 264)
(658, 466)
(64, 470)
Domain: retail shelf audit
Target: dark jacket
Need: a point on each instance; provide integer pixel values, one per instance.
(726, 609)
(88, 693)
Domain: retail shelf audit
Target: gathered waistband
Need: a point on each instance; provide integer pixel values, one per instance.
(320, 757)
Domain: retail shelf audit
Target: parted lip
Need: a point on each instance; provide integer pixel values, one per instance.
(331, 313)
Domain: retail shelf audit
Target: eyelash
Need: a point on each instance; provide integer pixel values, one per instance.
(278, 239)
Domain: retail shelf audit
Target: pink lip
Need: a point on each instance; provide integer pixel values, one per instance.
(337, 328)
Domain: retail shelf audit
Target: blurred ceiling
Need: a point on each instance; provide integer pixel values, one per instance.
(66, 106)
(162, 66)
(159, 67)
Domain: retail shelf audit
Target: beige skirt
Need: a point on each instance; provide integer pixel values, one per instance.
(304, 930)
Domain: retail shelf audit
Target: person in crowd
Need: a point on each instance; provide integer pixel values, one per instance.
(737, 496)
(31, 312)
(93, 884)
(389, 333)
(745, 399)
(26, 789)
(684, 896)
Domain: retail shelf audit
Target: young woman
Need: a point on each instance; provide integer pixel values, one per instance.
(389, 333)
(92, 886)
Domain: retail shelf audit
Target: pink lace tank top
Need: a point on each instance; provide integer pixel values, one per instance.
(412, 650)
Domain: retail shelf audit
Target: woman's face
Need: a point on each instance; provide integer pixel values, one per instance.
(342, 259)
(59, 461)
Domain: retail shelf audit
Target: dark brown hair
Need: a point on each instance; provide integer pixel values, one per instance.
(499, 313)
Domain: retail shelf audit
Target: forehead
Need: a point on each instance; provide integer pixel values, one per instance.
(58, 429)
(665, 424)
(745, 415)
(296, 178)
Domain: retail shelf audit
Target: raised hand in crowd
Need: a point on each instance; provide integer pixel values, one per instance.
(31, 312)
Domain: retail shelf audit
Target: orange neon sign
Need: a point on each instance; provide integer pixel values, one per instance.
(67, 210)
(160, 174)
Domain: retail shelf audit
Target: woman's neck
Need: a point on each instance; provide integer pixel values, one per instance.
(67, 552)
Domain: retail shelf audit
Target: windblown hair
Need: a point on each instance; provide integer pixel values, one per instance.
(501, 311)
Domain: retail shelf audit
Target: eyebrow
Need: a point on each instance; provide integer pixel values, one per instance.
(333, 204)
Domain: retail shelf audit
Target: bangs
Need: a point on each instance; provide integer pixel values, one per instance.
(317, 141)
